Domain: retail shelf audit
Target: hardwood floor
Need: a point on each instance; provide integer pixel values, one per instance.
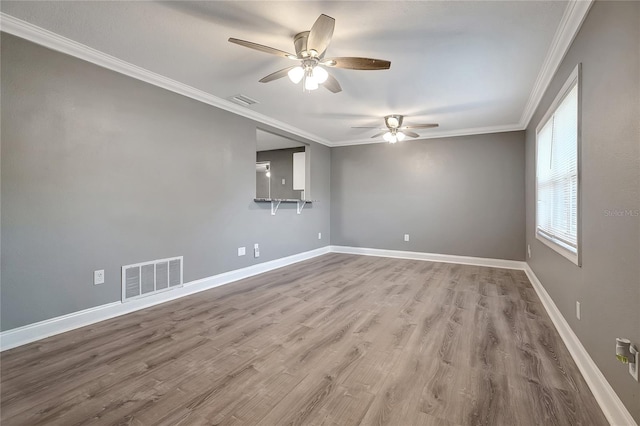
(336, 340)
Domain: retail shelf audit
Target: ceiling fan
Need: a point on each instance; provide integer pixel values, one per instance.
(310, 47)
(394, 131)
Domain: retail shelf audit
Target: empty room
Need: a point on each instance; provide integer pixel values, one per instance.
(320, 213)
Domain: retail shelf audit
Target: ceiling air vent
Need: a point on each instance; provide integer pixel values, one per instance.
(144, 279)
(243, 100)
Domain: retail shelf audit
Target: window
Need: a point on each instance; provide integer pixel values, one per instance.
(558, 173)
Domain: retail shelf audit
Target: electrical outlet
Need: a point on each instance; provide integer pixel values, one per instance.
(529, 250)
(98, 277)
(256, 250)
(406, 237)
(319, 235)
(241, 251)
(283, 181)
(627, 353)
(578, 310)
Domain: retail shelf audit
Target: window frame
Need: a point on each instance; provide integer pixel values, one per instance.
(573, 80)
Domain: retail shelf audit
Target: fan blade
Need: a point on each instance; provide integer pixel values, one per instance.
(377, 135)
(352, 63)
(332, 84)
(410, 134)
(276, 75)
(320, 34)
(367, 127)
(261, 48)
(420, 126)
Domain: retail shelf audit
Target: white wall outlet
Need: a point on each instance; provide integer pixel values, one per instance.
(241, 251)
(529, 250)
(256, 250)
(406, 237)
(319, 235)
(98, 277)
(578, 313)
(283, 181)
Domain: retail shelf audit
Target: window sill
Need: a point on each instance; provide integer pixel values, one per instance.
(568, 254)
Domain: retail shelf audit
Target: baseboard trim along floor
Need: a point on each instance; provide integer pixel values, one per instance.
(431, 257)
(30, 333)
(609, 402)
(611, 405)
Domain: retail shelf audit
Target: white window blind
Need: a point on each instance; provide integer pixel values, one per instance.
(557, 175)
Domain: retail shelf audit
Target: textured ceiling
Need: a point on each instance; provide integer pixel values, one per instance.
(464, 65)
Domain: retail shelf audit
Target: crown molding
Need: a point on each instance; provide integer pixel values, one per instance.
(442, 134)
(568, 28)
(51, 40)
(570, 24)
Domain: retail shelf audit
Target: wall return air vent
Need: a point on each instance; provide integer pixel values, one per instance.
(147, 278)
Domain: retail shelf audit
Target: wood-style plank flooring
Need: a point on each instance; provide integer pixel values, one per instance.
(336, 340)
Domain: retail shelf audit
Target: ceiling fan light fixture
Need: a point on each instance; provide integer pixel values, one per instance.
(392, 121)
(320, 74)
(387, 136)
(296, 74)
(400, 136)
(310, 81)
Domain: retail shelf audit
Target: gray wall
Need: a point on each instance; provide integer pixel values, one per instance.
(281, 168)
(100, 170)
(461, 196)
(608, 283)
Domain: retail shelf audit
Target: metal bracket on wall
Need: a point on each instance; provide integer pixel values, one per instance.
(274, 206)
(275, 203)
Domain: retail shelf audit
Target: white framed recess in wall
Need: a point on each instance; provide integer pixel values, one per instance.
(299, 172)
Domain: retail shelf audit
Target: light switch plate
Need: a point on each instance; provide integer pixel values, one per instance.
(241, 251)
(406, 237)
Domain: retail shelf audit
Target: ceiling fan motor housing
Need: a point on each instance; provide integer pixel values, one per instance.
(300, 43)
(393, 121)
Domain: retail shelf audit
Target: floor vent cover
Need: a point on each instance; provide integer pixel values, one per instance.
(147, 278)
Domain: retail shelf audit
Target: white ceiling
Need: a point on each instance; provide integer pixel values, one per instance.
(470, 66)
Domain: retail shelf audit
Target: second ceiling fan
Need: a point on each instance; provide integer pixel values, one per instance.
(395, 132)
(310, 47)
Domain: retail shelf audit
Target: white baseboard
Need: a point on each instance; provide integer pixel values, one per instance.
(30, 333)
(609, 402)
(611, 405)
(432, 257)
